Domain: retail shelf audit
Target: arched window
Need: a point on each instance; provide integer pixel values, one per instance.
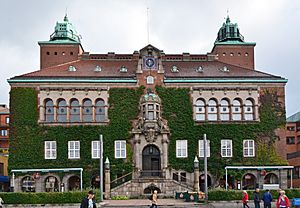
(49, 111)
(212, 110)
(74, 111)
(62, 111)
(224, 110)
(87, 113)
(236, 110)
(200, 110)
(249, 110)
(100, 110)
(150, 80)
(28, 184)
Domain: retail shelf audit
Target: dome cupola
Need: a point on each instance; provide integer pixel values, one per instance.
(229, 32)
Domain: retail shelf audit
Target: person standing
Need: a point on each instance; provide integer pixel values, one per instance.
(283, 201)
(267, 198)
(245, 199)
(88, 202)
(256, 198)
(1, 201)
(154, 199)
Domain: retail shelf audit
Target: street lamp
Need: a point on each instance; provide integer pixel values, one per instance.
(107, 164)
(196, 162)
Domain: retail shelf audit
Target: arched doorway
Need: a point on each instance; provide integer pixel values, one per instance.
(151, 161)
(151, 188)
(28, 184)
(51, 184)
(95, 182)
(202, 182)
(271, 178)
(249, 181)
(74, 183)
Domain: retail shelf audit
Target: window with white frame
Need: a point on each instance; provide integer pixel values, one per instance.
(73, 149)
(224, 110)
(226, 148)
(50, 149)
(95, 149)
(4, 132)
(181, 148)
(236, 110)
(201, 148)
(150, 80)
(249, 148)
(200, 110)
(249, 110)
(212, 111)
(7, 120)
(120, 149)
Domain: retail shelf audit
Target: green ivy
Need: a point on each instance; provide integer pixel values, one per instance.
(27, 137)
(178, 110)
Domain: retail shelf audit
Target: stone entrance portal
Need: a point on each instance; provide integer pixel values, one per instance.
(151, 161)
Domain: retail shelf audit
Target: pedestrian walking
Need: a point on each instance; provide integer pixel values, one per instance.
(256, 198)
(88, 201)
(267, 199)
(1, 202)
(153, 199)
(245, 199)
(283, 201)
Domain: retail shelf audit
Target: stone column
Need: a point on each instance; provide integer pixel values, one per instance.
(165, 142)
(107, 180)
(55, 113)
(42, 113)
(196, 174)
(137, 142)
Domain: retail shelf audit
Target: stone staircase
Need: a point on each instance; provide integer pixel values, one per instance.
(135, 187)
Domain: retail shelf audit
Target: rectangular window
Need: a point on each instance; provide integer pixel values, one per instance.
(290, 140)
(73, 149)
(201, 148)
(290, 128)
(4, 133)
(120, 149)
(249, 148)
(181, 148)
(226, 148)
(7, 120)
(50, 149)
(95, 149)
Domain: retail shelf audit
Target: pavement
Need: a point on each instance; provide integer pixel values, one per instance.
(145, 203)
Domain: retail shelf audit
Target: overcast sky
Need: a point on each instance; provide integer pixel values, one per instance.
(176, 26)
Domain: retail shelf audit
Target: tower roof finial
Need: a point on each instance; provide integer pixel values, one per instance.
(66, 15)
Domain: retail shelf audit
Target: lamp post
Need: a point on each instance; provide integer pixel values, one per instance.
(205, 167)
(196, 174)
(107, 178)
(101, 165)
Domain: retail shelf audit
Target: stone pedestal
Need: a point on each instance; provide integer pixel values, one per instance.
(196, 179)
(107, 184)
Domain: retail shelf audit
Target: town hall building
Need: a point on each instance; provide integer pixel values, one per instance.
(152, 109)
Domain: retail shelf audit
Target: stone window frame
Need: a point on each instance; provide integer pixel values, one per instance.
(52, 118)
(181, 148)
(226, 145)
(95, 149)
(50, 148)
(120, 152)
(234, 116)
(249, 148)
(150, 79)
(201, 148)
(74, 149)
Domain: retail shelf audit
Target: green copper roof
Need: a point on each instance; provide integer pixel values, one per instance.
(167, 80)
(235, 42)
(65, 31)
(229, 31)
(294, 118)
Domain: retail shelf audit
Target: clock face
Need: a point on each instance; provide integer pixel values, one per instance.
(149, 62)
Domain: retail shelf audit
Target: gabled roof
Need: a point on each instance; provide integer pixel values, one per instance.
(294, 118)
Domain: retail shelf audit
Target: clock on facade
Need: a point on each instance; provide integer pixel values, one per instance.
(149, 63)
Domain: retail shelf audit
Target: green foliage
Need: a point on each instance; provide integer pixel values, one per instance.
(178, 110)
(44, 197)
(120, 198)
(27, 137)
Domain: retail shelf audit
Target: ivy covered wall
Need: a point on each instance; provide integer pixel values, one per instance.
(178, 110)
(27, 137)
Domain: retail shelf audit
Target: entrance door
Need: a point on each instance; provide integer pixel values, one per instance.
(151, 161)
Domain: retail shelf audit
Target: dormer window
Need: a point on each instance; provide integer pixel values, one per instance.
(174, 69)
(72, 69)
(224, 69)
(199, 69)
(97, 69)
(123, 69)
